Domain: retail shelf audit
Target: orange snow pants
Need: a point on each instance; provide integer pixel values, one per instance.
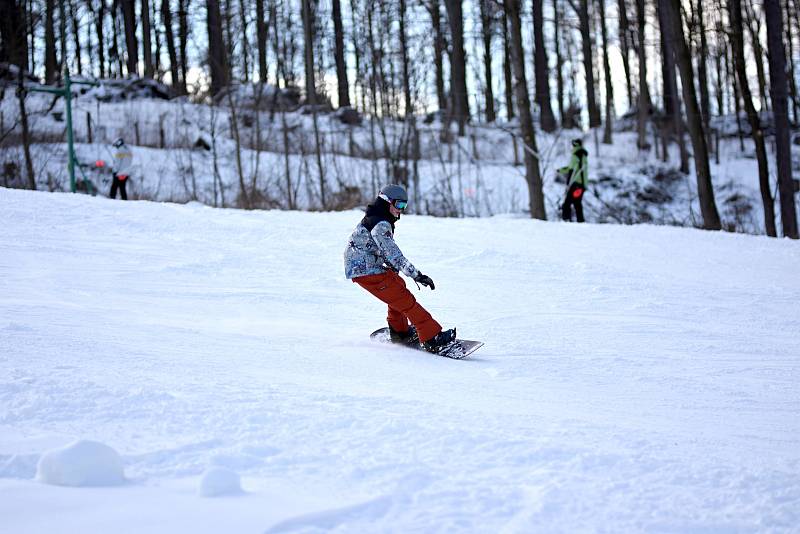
(391, 289)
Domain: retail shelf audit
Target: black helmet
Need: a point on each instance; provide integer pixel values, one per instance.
(393, 192)
(119, 142)
(577, 142)
(395, 195)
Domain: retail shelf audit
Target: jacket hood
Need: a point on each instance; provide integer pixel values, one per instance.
(580, 152)
(376, 212)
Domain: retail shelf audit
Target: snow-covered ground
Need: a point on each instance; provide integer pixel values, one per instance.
(634, 378)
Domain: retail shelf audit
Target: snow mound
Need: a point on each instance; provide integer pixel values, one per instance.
(82, 463)
(219, 481)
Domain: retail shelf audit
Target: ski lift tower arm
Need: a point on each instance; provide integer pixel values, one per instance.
(66, 92)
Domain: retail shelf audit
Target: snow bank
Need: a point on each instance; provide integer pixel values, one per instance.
(219, 481)
(82, 463)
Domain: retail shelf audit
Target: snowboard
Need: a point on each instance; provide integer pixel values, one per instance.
(458, 350)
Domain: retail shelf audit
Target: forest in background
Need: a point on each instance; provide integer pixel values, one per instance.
(668, 69)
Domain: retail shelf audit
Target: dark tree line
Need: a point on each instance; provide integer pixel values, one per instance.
(469, 59)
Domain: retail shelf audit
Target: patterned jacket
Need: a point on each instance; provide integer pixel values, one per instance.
(371, 249)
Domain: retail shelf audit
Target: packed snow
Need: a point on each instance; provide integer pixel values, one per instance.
(82, 463)
(219, 481)
(634, 378)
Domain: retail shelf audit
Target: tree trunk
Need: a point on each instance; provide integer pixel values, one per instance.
(116, 49)
(409, 107)
(26, 137)
(13, 33)
(624, 44)
(509, 84)
(705, 190)
(439, 47)
(532, 173)
(308, 34)
(149, 70)
(644, 103)
(780, 108)
(183, 39)
(131, 42)
(790, 54)
(458, 65)
(486, 34)
(737, 45)
(227, 35)
(73, 15)
(559, 60)
(262, 29)
(582, 10)
(542, 74)
(99, 23)
(341, 65)
(702, 72)
(166, 17)
(216, 48)
(607, 75)
(50, 61)
(672, 103)
(244, 30)
(157, 36)
(754, 28)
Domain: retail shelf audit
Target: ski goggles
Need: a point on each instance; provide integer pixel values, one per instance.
(399, 204)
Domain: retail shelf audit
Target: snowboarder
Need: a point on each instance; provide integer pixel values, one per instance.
(576, 174)
(123, 159)
(373, 260)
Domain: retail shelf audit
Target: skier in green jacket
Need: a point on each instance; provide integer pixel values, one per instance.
(576, 174)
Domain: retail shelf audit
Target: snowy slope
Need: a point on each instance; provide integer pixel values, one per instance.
(634, 378)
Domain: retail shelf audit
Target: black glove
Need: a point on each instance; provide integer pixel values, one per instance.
(425, 280)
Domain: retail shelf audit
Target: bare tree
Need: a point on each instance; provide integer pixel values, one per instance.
(557, 22)
(737, 45)
(582, 10)
(50, 61)
(149, 68)
(705, 189)
(625, 46)
(131, 42)
(606, 74)
(166, 17)
(542, 74)
(217, 58)
(308, 33)
(439, 46)
(780, 109)
(183, 39)
(262, 29)
(458, 64)
(702, 71)
(672, 102)
(74, 16)
(487, 29)
(341, 66)
(532, 173)
(509, 84)
(644, 103)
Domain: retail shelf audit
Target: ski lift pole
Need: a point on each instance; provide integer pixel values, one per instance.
(66, 92)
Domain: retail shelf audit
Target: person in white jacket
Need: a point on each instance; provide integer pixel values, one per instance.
(123, 161)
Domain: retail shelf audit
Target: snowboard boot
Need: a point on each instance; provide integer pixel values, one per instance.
(408, 337)
(441, 342)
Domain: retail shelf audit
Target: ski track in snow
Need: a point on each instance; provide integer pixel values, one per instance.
(633, 378)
